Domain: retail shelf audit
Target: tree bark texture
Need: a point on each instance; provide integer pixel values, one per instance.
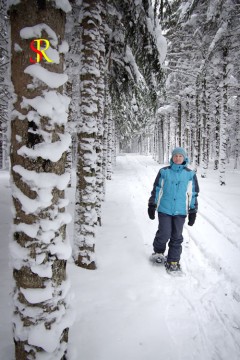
(86, 196)
(39, 223)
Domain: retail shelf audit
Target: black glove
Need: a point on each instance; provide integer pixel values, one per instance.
(191, 219)
(151, 211)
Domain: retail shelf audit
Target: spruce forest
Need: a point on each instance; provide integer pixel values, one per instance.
(114, 76)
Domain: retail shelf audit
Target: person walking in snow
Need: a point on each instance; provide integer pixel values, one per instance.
(174, 196)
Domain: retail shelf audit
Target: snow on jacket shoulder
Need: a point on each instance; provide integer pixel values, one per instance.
(175, 190)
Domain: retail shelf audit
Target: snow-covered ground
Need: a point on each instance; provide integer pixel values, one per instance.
(130, 309)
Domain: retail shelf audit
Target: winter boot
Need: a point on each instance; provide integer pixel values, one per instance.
(173, 266)
(158, 258)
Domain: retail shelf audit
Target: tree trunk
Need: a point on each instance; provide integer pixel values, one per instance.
(179, 127)
(217, 131)
(73, 37)
(237, 133)
(38, 154)
(156, 139)
(100, 178)
(110, 140)
(197, 141)
(161, 140)
(4, 84)
(223, 121)
(169, 140)
(86, 197)
(204, 128)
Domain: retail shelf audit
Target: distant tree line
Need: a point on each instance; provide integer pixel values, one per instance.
(199, 106)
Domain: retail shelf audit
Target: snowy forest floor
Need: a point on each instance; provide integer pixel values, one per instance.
(130, 309)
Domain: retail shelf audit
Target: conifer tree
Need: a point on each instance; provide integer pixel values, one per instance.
(87, 130)
(40, 247)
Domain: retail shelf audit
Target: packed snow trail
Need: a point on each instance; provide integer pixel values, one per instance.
(130, 309)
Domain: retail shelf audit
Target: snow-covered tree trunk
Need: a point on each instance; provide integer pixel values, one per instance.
(72, 89)
(168, 138)
(179, 124)
(40, 247)
(197, 135)
(100, 179)
(237, 132)
(110, 142)
(193, 129)
(217, 130)
(85, 207)
(161, 140)
(223, 120)
(108, 134)
(114, 143)
(105, 136)
(186, 115)
(204, 128)
(183, 122)
(190, 128)
(4, 83)
(117, 143)
(156, 139)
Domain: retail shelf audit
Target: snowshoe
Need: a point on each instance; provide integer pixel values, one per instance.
(173, 267)
(158, 258)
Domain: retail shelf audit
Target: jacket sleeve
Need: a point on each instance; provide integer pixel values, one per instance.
(195, 191)
(152, 199)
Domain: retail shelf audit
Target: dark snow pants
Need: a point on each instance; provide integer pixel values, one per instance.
(169, 228)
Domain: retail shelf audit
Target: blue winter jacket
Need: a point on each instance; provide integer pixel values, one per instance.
(175, 190)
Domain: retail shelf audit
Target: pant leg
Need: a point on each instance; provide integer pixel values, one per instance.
(176, 239)
(163, 233)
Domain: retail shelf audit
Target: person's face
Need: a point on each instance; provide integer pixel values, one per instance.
(178, 159)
